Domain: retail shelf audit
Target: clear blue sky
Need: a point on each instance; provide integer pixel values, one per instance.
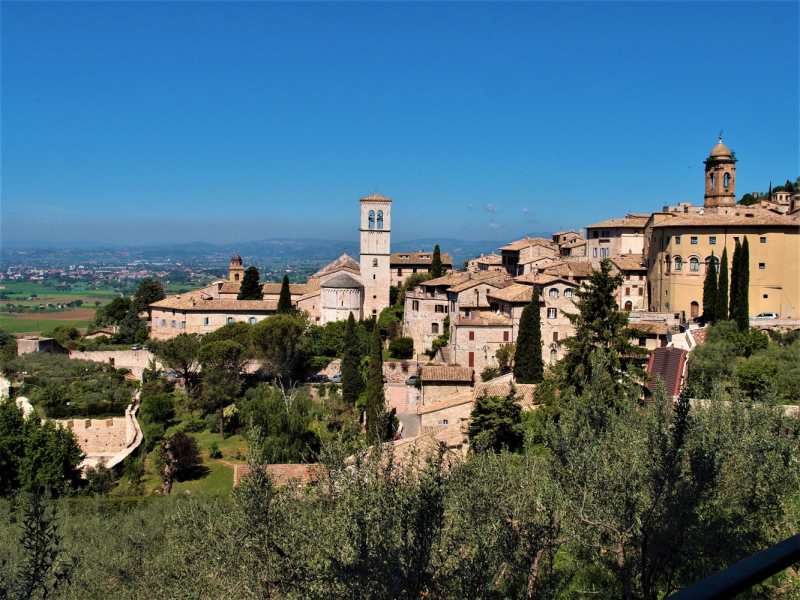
(155, 122)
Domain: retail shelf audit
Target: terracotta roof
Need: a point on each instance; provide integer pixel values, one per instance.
(514, 293)
(631, 221)
(524, 391)
(629, 262)
(668, 363)
(416, 258)
(527, 242)
(489, 259)
(446, 374)
(574, 243)
(449, 402)
(564, 232)
(582, 268)
(187, 302)
(494, 279)
(539, 279)
(376, 197)
(343, 281)
(650, 327)
(232, 287)
(761, 217)
(343, 262)
(282, 474)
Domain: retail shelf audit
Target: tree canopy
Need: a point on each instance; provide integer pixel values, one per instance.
(250, 289)
(436, 264)
(148, 291)
(285, 298)
(528, 363)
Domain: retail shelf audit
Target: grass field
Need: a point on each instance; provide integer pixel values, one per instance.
(33, 323)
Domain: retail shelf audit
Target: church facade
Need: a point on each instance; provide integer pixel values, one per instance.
(344, 286)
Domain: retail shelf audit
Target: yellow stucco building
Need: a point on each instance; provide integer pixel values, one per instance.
(678, 247)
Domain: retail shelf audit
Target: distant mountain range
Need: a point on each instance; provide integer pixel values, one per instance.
(276, 249)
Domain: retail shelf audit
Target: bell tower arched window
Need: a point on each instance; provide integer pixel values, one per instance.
(726, 180)
(713, 181)
(372, 219)
(380, 219)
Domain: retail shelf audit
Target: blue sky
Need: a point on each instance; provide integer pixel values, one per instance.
(153, 122)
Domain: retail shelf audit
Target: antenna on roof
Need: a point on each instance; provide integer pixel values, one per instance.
(720, 136)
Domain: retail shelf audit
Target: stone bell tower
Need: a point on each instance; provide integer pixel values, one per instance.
(376, 221)
(720, 177)
(236, 271)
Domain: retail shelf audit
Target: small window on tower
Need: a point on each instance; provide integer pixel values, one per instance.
(374, 262)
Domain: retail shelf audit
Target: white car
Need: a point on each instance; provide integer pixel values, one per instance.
(766, 315)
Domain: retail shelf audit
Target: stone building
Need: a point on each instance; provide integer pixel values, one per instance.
(405, 264)
(330, 294)
(525, 250)
(632, 294)
(485, 262)
(678, 248)
(616, 237)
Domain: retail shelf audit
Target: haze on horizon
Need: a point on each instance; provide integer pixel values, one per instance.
(136, 123)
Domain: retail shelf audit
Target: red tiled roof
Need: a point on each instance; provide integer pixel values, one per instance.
(667, 363)
(446, 374)
(524, 391)
(282, 474)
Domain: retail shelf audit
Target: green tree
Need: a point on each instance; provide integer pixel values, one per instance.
(148, 291)
(50, 457)
(222, 365)
(180, 355)
(402, 347)
(410, 283)
(528, 363)
(352, 382)
(376, 403)
(710, 291)
(505, 356)
(285, 299)
(394, 295)
(239, 332)
(721, 306)
(748, 200)
(250, 288)
(757, 374)
(128, 328)
(734, 288)
(495, 421)
(117, 309)
(599, 325)
(159, 408)
(278, 340)
(436, 263)
(742, 311)
(179, 454)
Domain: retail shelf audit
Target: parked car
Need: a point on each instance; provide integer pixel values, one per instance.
(767, 315)
(136, 347)
(336, 378)
(320, 379)
(412, 380)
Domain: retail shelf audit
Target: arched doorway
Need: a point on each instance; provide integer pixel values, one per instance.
(628, 306)
(694, 311)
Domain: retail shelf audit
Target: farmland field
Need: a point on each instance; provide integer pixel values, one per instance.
(35, 322)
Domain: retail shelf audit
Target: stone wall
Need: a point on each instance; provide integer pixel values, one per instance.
(37, 344)
(451, 414)
(441, 390)
(134, 360)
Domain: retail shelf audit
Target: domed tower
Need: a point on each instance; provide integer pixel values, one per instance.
(720, 177)
(236, 271)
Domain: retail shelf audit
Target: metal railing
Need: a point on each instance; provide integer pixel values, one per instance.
(745, 574)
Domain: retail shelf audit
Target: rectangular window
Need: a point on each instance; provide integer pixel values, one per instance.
(594, 252)
(471, 336)
(252, 320)
(555, 336)
(606, 251)
(173, 324)
(229, 320)
(182, 325)
(471, 359)
(399, 272)
(712, 240)
(641, 291)
(766, 296)
(415, 305)
(678, 239)
(596, 233)
(694, 240)
(763, 240)
(505, 336)
(627, 276)
(206, 321)
(627, 291)
(762, 265)
(551, 313)
(736, 239)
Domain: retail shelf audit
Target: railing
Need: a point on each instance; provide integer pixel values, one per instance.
(745, 574)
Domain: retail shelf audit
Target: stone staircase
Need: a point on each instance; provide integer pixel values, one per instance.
(397, 397)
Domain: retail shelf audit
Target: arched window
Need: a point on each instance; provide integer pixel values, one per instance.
(236, 277)
(568, 293)
(726, 180)
(694, 264)
(628, 306)
(716, 264)
(678, 263)
(553, 355)
(372, 219)
(380, 219)
(554, 292)
(667, 264)
(713, 181)
(435, 328)
(694, 310)
(374, 262)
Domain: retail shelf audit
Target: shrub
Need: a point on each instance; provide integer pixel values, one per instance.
(158, 409)
(214, 451)
(489, 373)
(402, 347)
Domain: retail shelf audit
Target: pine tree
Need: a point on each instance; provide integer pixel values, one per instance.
(285, 299)
(376, 404)
(743, 289)
(721, 307)
(436, 265)
(352, 382)
(710, 291)
(250, 289)
(601, 326)
(528, 363)
(735, 274)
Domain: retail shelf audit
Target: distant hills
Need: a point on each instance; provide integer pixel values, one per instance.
(270, 250)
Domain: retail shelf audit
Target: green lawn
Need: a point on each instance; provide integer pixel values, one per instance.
(16, 325)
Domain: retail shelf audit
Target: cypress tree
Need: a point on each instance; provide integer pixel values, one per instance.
(735, 274)
(250, 289)
(721, 307)
(528, 363)
(743, 289)
(710, 291)
(436, 265)
(285, 299)
(376, 404)
(352, 382)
